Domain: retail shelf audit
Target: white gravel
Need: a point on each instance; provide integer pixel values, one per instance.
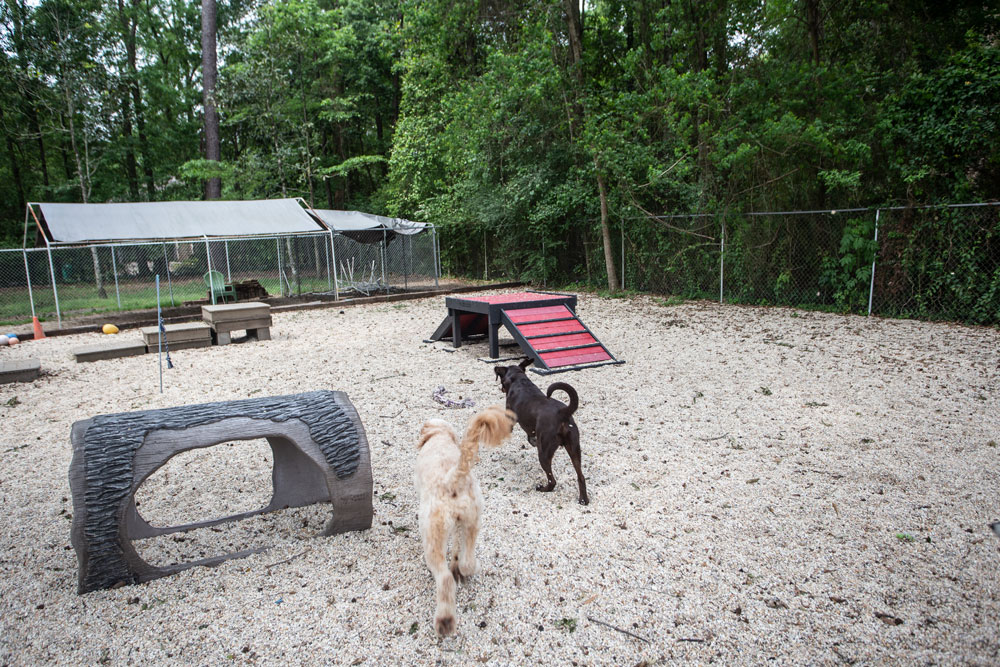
(765, 484)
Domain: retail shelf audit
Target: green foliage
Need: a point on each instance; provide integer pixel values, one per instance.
(848, 274)
(941, 126)
(568, 624)
(504, 126)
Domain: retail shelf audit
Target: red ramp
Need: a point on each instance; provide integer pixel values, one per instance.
(556, 338)
(543, 324)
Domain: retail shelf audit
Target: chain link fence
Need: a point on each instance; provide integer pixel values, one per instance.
(86, 280)
(937, 263)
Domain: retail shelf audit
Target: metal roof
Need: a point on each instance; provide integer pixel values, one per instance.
(354, 221)
(81, 223)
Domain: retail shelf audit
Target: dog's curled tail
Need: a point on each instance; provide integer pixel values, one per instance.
(573, 400)
(490, 427)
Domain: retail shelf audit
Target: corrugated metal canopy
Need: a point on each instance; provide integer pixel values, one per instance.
(354, 221)
(80, 223)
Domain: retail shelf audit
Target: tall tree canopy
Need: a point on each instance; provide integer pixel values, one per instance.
(538, 122)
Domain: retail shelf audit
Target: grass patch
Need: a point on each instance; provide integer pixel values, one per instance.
(79, 299)
(567, 623)
(671, 301)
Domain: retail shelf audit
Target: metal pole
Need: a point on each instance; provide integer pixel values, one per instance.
(722, 259)
(208, 261)
(436, 255)
(48, 248)
(27, 274)
(486, 264)
(159, 331)
(166, 266)
(24, 251)
(336, 282)
(281, 285)
(229, 274)
(406, 262)
(623, 254)
(871, 287)
(55, 290)
(114, 269)
(329, 282)
(383, 263)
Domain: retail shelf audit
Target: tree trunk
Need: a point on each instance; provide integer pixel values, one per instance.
(307, 137)
(293, 265)
(36, 129)
(814, 26)
(82, 174)
(18, 12)
(574, 29)
(209, 74)
(609, 256)
(131, 169)
(129, 25)
(15, 169)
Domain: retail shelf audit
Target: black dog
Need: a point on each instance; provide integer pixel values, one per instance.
(547, 422)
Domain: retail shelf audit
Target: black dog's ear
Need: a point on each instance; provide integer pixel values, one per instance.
(500, 371)
(527, 362)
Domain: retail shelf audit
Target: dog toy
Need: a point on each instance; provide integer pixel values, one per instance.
(438, 396)
(109, 329)
(13, 340)
(4, 340)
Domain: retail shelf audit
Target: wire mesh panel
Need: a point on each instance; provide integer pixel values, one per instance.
(87, 281)
(119, 277)
(410, 262)
(939, 263)
(304, 268)
(678, 256)
(805, 259)
(360, 266)
(15, 281)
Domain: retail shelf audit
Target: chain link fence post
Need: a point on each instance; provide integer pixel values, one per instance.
(871, 289)
(722, 260)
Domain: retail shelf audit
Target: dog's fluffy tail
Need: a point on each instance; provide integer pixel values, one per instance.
(573, 400)
(490, 427)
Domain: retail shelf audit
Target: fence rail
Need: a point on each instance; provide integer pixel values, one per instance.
(69, 281)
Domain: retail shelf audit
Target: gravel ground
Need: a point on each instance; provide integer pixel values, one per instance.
(765, 484)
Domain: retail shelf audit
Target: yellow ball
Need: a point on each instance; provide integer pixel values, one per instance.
(109, 329)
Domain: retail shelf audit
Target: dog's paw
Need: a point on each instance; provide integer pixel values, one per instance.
(584, 500)
(463, 572)
(445, 625)
(545, 488)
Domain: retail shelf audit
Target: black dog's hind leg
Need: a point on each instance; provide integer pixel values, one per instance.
(545, 458)
(572, 444)
(580, 482)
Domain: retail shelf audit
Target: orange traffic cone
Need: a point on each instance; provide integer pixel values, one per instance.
(39, 334)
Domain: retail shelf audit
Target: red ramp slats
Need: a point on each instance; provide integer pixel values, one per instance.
(568, 340)
(555, 337)
(536, 314)
(562, 327)
(586, 356)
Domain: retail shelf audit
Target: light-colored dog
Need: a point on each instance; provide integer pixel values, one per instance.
(451, 502)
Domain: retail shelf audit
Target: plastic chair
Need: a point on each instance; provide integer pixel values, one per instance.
(217, 284)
